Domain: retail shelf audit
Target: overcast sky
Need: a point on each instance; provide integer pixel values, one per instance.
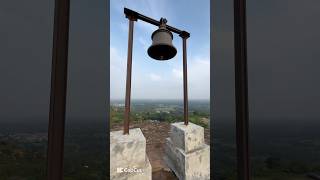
(283, 56)
(283, 59)
(25, 60)
(155, 79)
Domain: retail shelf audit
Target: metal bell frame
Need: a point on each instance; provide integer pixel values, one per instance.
(134, 16)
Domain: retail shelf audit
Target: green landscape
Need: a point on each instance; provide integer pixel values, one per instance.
(279, 150)
(162, 111)
(23, 151)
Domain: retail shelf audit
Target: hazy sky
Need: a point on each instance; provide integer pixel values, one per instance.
(283, 56)
(155, 79)
(25, 59)
(283, 59)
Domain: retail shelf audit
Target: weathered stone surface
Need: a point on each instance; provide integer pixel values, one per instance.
(142, 173)
(129, 153)
(188, 137)
(189, 158)
(194, 165)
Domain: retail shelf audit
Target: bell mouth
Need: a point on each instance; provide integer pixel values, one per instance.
(162, 52)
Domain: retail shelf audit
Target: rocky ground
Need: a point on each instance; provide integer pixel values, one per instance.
(155, 133)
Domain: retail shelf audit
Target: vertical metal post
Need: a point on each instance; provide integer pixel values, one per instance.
(58, 90)
(185, 82)
(184, 36)
(128, 81)
(241, 90)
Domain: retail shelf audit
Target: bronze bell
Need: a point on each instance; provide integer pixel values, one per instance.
(162, 48)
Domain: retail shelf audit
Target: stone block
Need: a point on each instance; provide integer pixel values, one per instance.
(194, 165)
(187, 138)
(128, 155)
(137, 173)
(186, 154)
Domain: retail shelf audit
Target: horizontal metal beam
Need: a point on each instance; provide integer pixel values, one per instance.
(135, 15)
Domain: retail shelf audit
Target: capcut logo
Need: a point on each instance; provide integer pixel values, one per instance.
(129, 170)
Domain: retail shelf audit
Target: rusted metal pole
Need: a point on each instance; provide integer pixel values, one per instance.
(241, 90)
(128, 81)
(184, 36)
(58, 92)
(185, 82)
